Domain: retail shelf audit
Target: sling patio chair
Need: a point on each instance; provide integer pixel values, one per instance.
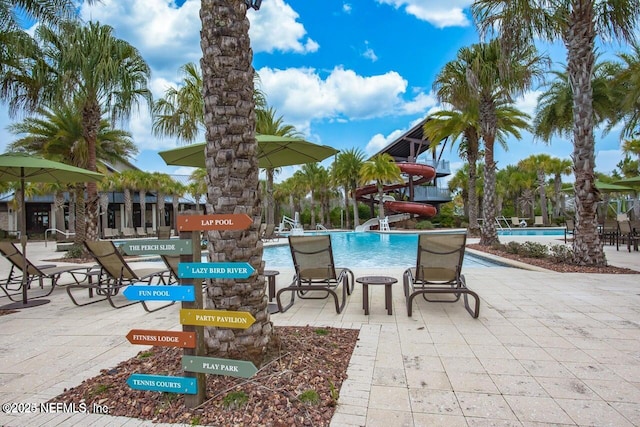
(116, 273)
(315, 271)
(569, 228)
(438, 271)
(12, 285)
(627, 235)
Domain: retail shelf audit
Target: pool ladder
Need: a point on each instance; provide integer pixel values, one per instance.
(500, 220)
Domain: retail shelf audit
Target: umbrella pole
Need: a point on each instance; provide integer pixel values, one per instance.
(23, 243)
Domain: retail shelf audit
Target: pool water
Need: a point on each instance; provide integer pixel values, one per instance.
(367, 250)
(532, 232)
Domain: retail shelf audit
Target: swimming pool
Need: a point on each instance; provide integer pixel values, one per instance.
(367, 250)
(532, 232)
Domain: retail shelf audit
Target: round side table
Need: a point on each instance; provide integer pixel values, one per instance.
(271, 279)
(377, 280)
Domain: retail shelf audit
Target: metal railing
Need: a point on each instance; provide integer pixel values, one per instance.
(66, 234)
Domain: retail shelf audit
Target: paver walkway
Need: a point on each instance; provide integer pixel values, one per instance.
(547, 349)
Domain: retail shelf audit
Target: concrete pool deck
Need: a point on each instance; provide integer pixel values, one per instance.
(548, 349)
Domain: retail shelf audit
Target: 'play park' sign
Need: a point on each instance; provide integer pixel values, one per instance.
(212, 365)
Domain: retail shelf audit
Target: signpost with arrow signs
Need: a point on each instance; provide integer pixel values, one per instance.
(192, 316)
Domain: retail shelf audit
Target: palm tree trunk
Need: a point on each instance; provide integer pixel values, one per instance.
(58, 203)
(543, 198)
(489, 234)
(270, 203)
(142, 194)
(104, 211)
(128, 208)
(230, 136)
(380, 201)
(472, 195)
(356, 216)
(579, 39)
(90, 125)
(81, 233)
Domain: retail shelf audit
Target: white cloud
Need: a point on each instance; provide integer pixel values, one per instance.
(303, 95)
(346, 7)
(169, 36)
(439, 13)
(528, 102)
(369, 53)
(276, 27)
(379, 141)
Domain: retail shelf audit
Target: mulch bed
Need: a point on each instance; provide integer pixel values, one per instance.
(551, 265)
(5, 312)
(303, 363)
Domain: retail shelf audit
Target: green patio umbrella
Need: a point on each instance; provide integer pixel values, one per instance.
(604, 187)
(630, 182)
(20, 167)
(273, 152)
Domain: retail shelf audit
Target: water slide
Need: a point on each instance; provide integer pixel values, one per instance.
(420, 174)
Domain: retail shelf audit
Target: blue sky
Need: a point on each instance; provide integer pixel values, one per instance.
(346, 74)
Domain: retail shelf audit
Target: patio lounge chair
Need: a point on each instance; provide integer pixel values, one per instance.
(569, 228)
(116, 274)
(269, 233)
(141, 232)
(316, 271)
(13, 283)
(609, 232)
(627, 235)
(438, 271)
(538, 221)
(164, 232)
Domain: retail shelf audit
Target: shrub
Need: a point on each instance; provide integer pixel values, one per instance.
(534, 250)
(424, 225)
(235, 399)
(309, 397)
(561, 254)
(75, 251)
(512, 248)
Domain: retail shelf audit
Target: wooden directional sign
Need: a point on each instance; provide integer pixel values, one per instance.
(211, 365)
(214, 270)
(221, 318)
(162, 338)
(214, 222)
(162, 383)
(159, 293)
(158, 247)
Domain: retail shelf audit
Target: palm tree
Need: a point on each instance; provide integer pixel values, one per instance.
(577, 23)
(180, 113)
(197, 185)
(383, 170)
(161, 183)
(539, 164)
(232, 167)
(628, 83)
(104, 74)
(268, 124)
(56, 134)
(559, 167)
(490, 86)
(311, 178)
(346, 171)
(18, 50)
